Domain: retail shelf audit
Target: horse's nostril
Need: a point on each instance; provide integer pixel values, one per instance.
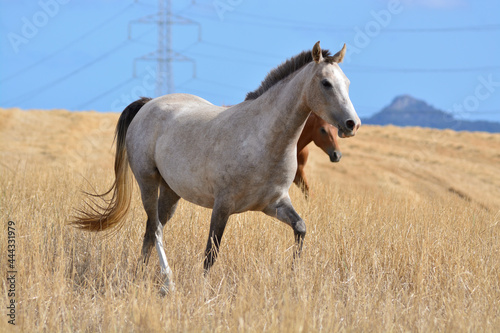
(350, 124)
(335, 156)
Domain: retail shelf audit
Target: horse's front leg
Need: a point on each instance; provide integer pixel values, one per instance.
(301, 181)
(218, 223)
(284, 211)
(300, 176)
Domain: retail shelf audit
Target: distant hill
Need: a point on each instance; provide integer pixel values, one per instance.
(408, 111)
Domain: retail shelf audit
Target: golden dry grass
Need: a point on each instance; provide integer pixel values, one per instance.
(403, 235)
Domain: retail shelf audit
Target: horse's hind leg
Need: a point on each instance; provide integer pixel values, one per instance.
(154, 229)
(167, 203)
(284, 211)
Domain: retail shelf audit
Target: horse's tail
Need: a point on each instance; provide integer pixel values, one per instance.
(110, 213)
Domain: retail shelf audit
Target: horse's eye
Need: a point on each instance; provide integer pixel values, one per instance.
(322, 130)
(326, 83)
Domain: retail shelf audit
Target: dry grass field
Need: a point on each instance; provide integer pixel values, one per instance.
(403, 235)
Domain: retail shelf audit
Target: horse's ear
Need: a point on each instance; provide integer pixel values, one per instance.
(316, 53)
(339, 56)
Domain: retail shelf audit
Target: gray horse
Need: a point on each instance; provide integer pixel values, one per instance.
(242, 158)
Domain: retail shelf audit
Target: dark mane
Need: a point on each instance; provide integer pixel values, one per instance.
(285, 69)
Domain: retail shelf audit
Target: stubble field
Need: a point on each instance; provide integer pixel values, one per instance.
(402, 235)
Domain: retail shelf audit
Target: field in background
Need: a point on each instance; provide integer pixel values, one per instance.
(403, 235)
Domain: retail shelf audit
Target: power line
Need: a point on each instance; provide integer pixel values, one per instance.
(293, 23)
(227, 85)
(68, 45)
(107, 92)
(164, 50)
(186, 86)
(472, 28)
(377, 69)
(162, 24)
(320, 26)
(235, 60)
(242, 50)
(164, 54)
(283, 23)
(205, 93)
(357, 68)
(32, 93)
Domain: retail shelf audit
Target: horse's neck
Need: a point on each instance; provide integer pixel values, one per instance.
(284, 113)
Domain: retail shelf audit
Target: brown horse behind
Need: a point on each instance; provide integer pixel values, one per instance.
(325, 137)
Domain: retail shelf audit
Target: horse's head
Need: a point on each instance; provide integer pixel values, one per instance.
(325, 136)
(328, 92)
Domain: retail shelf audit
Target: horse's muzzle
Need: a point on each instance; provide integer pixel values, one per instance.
(335, 156)
(350, 128)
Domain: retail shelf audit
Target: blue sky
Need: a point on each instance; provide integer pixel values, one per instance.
(86, 55)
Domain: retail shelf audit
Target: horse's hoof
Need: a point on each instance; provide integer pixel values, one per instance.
(167, 288)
